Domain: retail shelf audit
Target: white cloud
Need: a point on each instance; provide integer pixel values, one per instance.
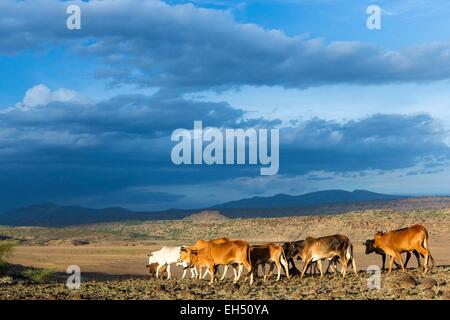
(40, 95)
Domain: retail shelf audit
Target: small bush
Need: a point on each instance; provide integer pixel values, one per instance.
(39, 275)
(6, 248)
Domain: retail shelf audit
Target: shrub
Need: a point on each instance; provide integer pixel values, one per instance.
(6, 248)
(39, 275)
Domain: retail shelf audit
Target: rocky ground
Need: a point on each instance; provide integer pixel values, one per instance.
(411, 285)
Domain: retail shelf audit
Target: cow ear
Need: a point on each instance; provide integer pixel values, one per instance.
(194, 252)
(183, 249)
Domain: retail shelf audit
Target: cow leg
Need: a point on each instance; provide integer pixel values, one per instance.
(207, 271)
(408, 256)
(329, 266)
(319, 263)
(212, 273)
(184, 273)
(417, 257)
(225, 270)
(268, 275)
(194, 273)
(249, 268)
(312, 268)
(235, 271)
(391, 262)
(277, 263)
(344, 269)
(291, 261)
(271, 267)
(265, 275)
(307, 261)
(383, 259)
(424, 251)
(240, 269)
(157, 270)
(332, 264)
(169, 275)
(202, 275)
(354, 266)
(286, 266)
(400, 259)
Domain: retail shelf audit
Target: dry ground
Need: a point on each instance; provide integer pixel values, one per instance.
(113, 264)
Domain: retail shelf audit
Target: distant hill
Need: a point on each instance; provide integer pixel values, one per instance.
(206, 215)
(50, 214)
(54, 215)
(308, 199)
(316, 203)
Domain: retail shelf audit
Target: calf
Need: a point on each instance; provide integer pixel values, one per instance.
(395, 242)
(327, 248)
(227, 253)
(271, 254)
(152, 269)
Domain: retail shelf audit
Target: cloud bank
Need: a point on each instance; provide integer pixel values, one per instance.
(186, 48)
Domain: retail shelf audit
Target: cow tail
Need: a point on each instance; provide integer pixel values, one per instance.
(248, 257)
(425, 240)
(283, 256)
(349, 252)
(425, 245)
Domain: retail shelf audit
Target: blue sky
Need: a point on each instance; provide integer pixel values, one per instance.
(86, 115)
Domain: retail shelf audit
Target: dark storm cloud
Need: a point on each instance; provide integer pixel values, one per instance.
(381, 141)
(114, 149)
(185, 48)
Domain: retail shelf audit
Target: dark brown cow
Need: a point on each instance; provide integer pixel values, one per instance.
(269, 253)
(395, 242)
(227, 253)
(329, 247)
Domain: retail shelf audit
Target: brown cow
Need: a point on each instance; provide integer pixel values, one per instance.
(229, 252)
(292, 249)
(329, 247)
(395, 242)
(152, 269)
(370, 248)
(200, 244)
(269, 253)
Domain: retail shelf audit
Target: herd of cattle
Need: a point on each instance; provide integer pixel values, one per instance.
(337, 249)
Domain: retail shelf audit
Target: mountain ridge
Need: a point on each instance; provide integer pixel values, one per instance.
(54, 215)
(308, 199)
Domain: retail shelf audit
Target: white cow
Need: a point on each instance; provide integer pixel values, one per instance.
(168, 256)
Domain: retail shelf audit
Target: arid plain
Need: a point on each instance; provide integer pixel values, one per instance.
(113, 260)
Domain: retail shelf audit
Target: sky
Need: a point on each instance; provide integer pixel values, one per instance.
(86, 116)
